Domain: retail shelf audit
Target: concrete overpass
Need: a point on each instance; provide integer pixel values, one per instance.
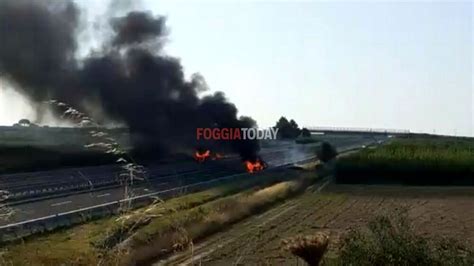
(357, 131)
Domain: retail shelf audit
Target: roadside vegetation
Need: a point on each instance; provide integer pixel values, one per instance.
(310, 248)
(386, 240)
(390, 240)
(30, 147)
(326, 152)
(161, 237)
(287, 129)
(412, 160)
(159, 228)
(29, 158)
(21, 158)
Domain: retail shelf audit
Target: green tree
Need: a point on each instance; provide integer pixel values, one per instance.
(287, 129)
(305, 133)
(282, 123)
(295, 130)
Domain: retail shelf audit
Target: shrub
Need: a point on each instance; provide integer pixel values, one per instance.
(310, 248)
(390, 240)
(326, 152)
(305, 133)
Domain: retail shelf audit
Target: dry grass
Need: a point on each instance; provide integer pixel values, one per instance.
(163, 236)
(310, 248)
(94, 242)
(125, 225)
(79, 245)
(392, 240)
(103, 142)
(5, 211)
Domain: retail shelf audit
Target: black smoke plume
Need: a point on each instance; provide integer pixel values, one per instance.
(130, 80)
(136, 28)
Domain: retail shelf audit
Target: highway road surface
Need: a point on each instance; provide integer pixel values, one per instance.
(40, 194)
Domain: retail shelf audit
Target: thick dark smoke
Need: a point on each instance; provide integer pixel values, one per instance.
(131, 80)
(136, 28)
(37, 44)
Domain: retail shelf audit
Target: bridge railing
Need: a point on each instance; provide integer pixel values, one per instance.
(359, 129)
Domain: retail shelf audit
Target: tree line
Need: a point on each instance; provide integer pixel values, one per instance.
(290, 129)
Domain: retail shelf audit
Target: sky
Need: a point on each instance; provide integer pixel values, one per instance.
(377, 64)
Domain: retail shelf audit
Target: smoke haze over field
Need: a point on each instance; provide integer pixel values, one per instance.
(130, 80)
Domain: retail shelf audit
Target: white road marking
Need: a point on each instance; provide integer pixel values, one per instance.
(103, 195)
(344, 149)
(61, 203)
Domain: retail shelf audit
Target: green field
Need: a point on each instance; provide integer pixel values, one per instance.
(412, 160)
(30, 158)
(15, 159)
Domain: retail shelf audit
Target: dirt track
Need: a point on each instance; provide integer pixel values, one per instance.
(257, 240)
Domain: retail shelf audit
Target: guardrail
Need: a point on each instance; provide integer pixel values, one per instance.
(79, 184)
(56, 190)
(47, 223)
(25, 228)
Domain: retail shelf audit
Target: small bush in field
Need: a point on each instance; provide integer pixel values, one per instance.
(326, 152)
(391, 241)
(310, 248)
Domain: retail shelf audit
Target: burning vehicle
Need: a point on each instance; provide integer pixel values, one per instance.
(202, 156)
(255, 165)
(251, 166)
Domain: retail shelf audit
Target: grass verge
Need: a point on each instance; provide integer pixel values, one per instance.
(89, 244)
(29, 158)
(163, 236)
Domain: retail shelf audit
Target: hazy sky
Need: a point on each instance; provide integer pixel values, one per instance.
(404, 65)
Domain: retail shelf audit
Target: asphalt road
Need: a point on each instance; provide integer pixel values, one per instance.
(40, 194)
(37, 185)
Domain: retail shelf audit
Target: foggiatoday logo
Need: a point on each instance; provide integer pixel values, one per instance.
(235, 133)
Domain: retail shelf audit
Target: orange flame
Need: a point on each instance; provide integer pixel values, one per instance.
(254, 167)
(201, 157)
